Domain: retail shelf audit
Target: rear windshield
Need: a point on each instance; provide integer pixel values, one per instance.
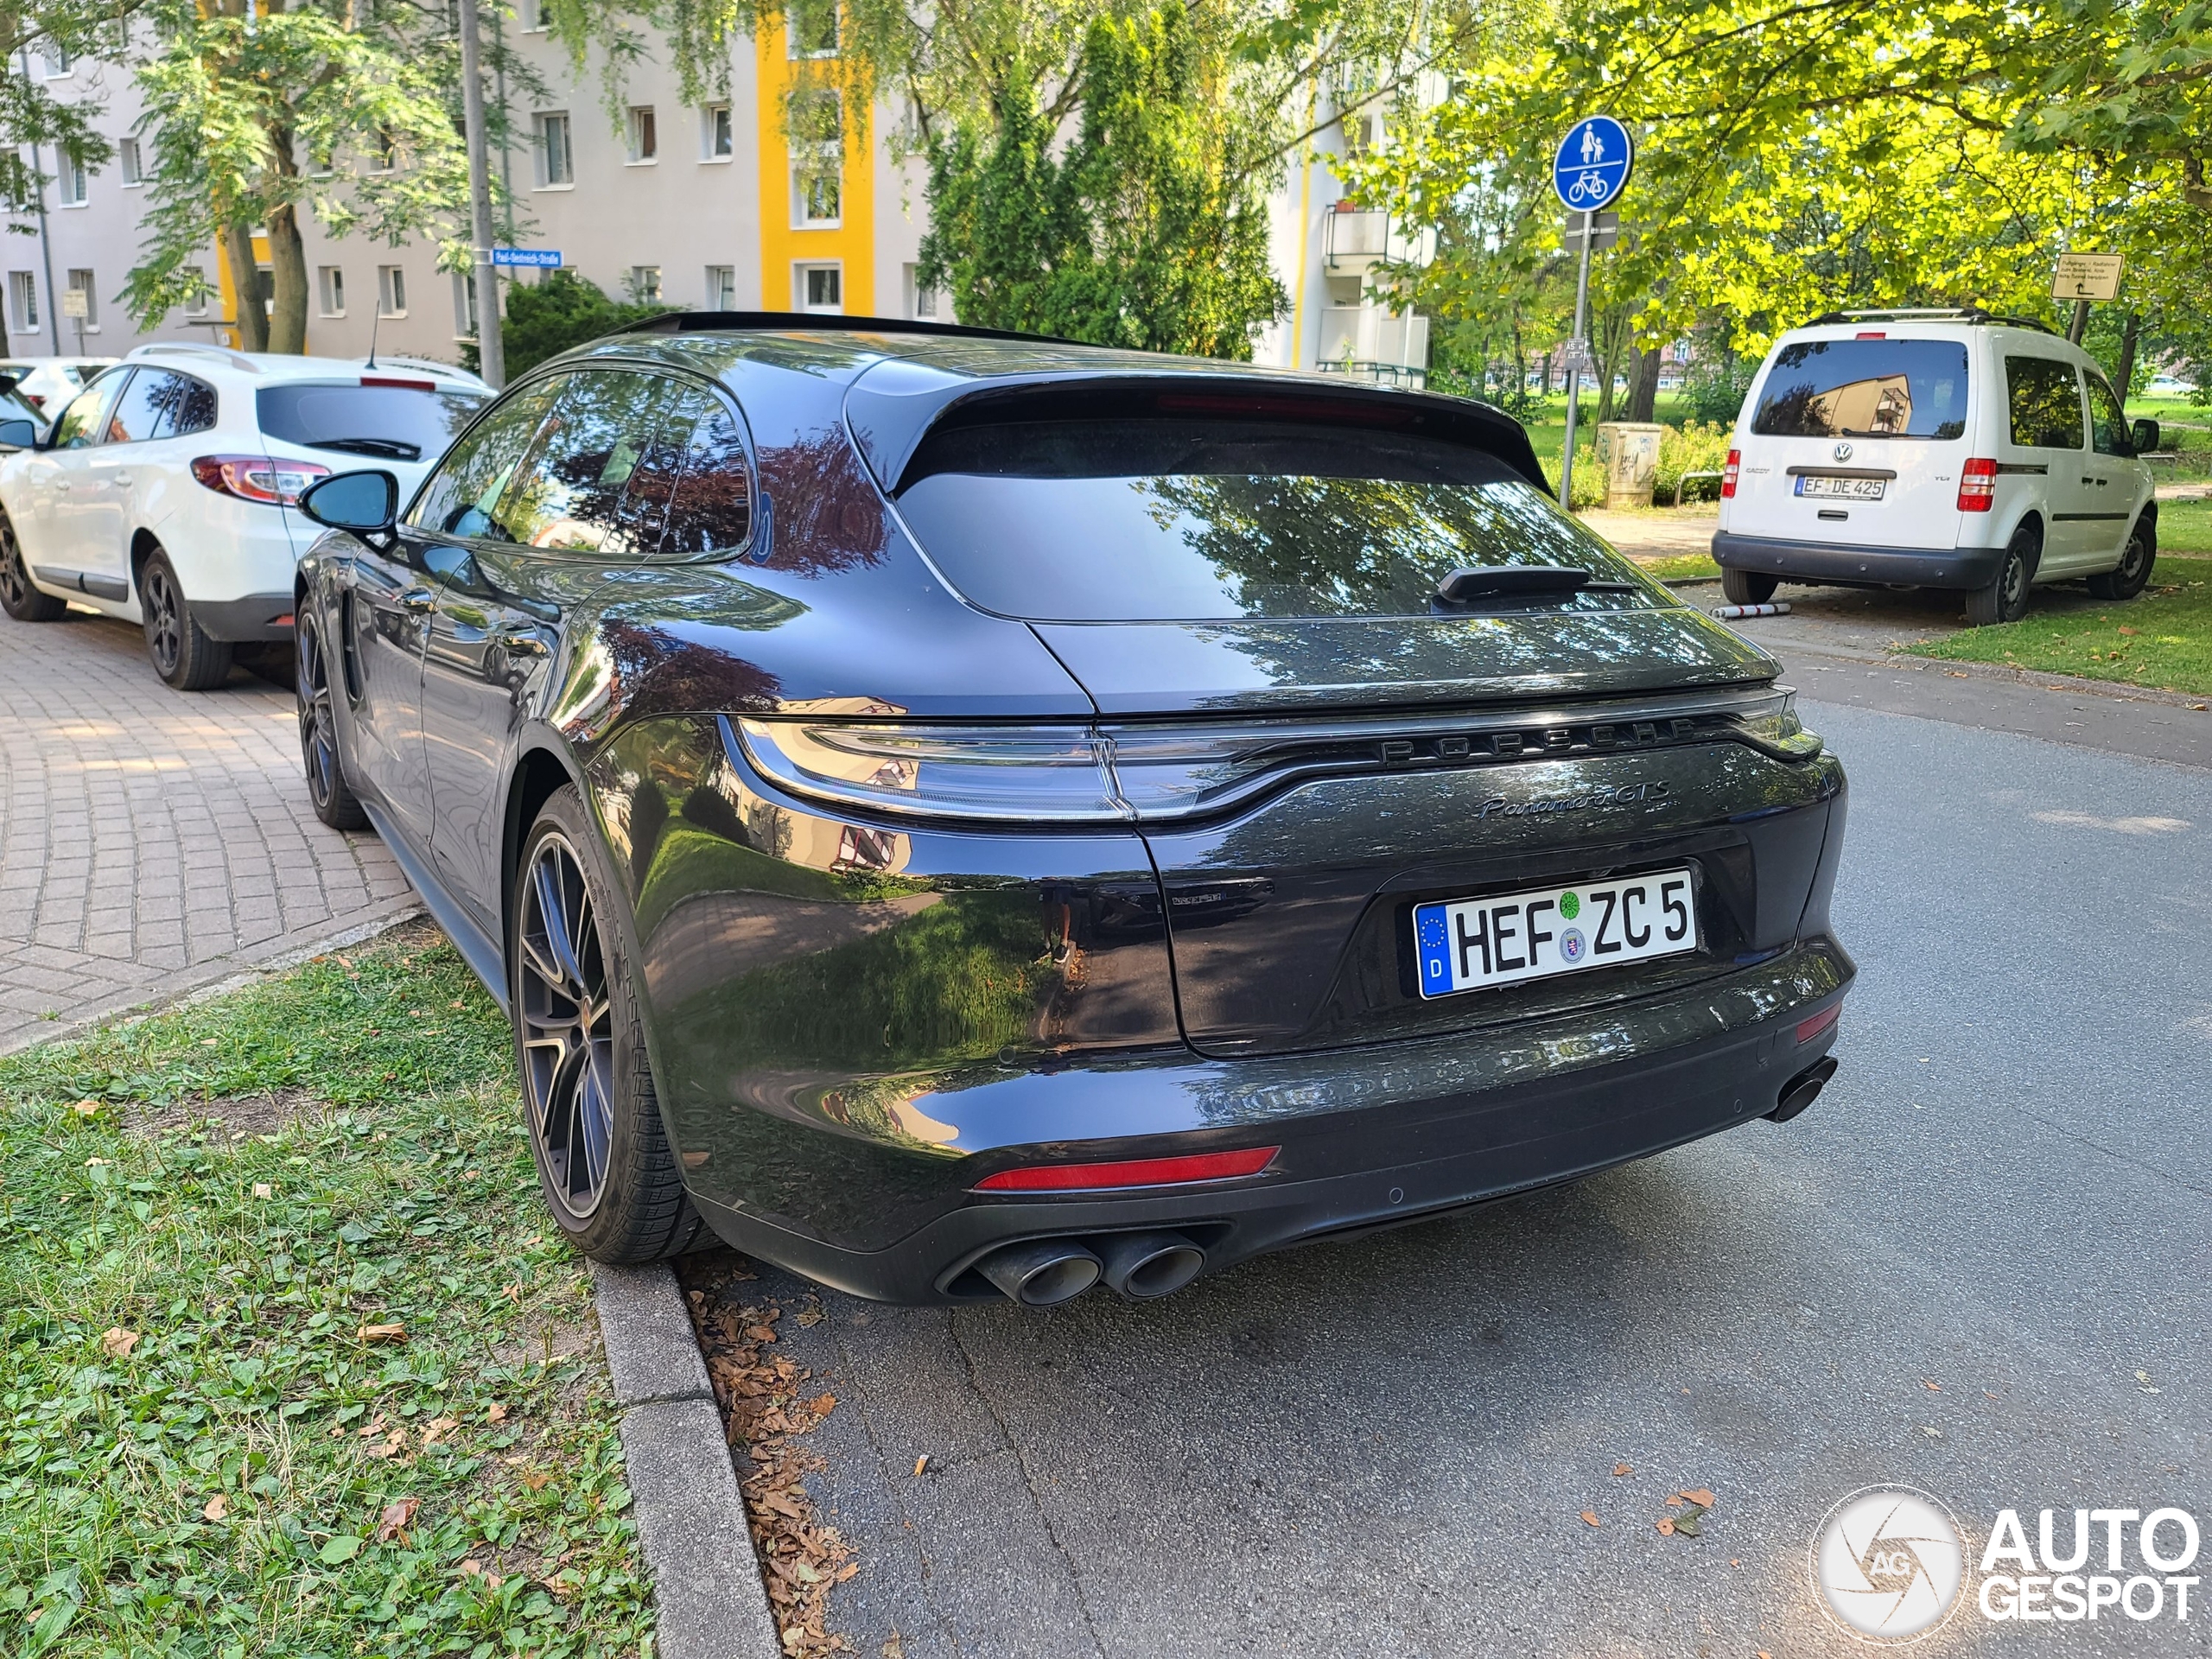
(398, 422)
(1165, 518)
(1864, 389)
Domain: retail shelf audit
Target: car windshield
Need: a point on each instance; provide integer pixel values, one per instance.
(1189, 519)
(1866, 388)
(400, 423)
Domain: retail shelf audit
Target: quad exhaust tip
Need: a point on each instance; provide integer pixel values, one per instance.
(1045, 1272)
(1803, 1089)
(1143, 1265)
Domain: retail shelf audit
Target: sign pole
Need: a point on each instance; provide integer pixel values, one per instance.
(491, 354)
(2081, 324)
(1574, 367)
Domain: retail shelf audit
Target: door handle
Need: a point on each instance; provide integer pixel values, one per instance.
(2085, 479)
(520, 642)
(420, 601)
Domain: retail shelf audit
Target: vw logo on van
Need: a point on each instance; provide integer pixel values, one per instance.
(1843, 452)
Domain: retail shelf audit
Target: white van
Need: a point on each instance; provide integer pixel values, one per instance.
(1935, 450)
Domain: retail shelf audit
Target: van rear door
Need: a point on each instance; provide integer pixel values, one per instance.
(1856, 437)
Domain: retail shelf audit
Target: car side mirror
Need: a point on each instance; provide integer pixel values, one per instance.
(2143, 436)
(364, 504)
(18, 433)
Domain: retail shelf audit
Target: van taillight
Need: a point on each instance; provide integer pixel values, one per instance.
(1729, 468)
(1977, 486)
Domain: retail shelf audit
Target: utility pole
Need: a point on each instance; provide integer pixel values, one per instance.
(491, 358)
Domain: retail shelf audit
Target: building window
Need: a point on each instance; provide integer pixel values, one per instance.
(717, 135)
(921, 302)
(644, 284)
(813, 28)
(385, 153)
(557, 163)
(76, 183)
(391, 291)
(816, 195)
(819, 288)
(332, 283)
(645, 136)
(817, 157)
(532, 14)
(127, 162)
(197, 305)
(22, 300)
(464, 305)
(265, 284)
(55, 61)
(88, 319)
(721, 288)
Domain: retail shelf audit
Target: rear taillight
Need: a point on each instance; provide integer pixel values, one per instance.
(257, 478)
(1135, 1171)
(1978, 486)
(1729, 468)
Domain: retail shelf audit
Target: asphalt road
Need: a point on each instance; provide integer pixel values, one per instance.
(1383, 1447)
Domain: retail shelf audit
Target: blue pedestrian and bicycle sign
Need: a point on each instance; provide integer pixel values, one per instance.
(1592, 165)
(529, 258)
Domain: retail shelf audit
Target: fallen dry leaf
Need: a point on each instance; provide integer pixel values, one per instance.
(1591, 1516)
(812, 1316)
(397, 1516)
(394, 1332)
(218, 1507)
(263, 1190)
(1623, 1469)
(513, 1293)
(536, 1481)
(821, 1404)
(760, 1333)
(117, 1343)
(1676, 1501)
(85, 1107)
(1702, 1497)
(1665, 1526)
(921, 1463)
(470, 1569)
(1932, 1387)
(438, 1428)
(496, 1411)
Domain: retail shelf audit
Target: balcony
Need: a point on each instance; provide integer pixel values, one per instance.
(1374, 343)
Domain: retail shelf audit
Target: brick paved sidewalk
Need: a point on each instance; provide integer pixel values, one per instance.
(151, 841)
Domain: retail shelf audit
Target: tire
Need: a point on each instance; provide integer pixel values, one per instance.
(604, 1162)
(331, 797)
(17, 597)
(2005, 598)
(185, 657)
(1748, 587)
(2134, 570)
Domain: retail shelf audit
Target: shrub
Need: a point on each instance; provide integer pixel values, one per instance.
(545, 318)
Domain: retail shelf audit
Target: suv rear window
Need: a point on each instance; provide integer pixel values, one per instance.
(398, 423)
(1864, 389)
(1167, 518)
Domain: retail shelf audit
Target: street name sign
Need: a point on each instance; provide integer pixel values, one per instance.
(532, 258)
(2086, 277)
(1593, 164)
(1604, 230)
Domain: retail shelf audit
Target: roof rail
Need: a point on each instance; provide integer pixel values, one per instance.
(195, 348)
(694, 322)
(1931, 314)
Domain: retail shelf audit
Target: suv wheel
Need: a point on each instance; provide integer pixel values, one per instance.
(2005, 598)
(185, 657)
(1748, 587)
(2134, 568)
(17, 597)
(603, 1157)
(332, 797)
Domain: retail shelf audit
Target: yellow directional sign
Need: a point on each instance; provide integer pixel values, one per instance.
(2086, 277)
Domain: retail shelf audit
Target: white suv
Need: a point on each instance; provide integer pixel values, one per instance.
(1935, 450)
(163, 494)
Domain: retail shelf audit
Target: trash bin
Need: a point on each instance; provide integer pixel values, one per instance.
(1627, 457)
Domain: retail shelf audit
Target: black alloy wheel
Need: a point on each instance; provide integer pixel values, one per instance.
(17, 597)
(2133, 571)
(331, 797)
(2005, 598)
(603, 1155)
(185, 657)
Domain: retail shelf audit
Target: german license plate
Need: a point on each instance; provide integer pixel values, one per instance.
(1464, 944)
(1841, 489)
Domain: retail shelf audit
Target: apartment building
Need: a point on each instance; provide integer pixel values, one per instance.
(712, 207)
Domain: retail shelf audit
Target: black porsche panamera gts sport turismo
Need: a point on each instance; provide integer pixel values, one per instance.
(964, 815)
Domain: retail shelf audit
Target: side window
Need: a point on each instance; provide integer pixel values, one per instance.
(463, 494)
(2108, 422)
(2046, 402)
(161, 403)
(80, 423)
(693, 490)
(567, 496)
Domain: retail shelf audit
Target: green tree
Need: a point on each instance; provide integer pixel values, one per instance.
(562, 309)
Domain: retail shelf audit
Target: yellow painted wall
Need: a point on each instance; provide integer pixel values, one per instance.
(852, 243)
(227, 292)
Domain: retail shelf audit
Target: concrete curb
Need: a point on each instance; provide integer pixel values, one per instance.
(707, 1596)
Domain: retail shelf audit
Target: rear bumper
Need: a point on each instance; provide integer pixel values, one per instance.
(1869, 567)
(258, 616)
(1370, 1138)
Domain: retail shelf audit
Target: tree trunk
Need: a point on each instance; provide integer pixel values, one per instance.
(288, 315)
(2125, 378)
(1643, 397)
(245, 286)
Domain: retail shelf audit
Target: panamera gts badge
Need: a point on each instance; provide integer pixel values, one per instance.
(1843, 452)
(1627, 794)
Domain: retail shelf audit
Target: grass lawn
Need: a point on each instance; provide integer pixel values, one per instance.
(291, 1361)
(2162, 639)
(1682, 567)
(2184, 527)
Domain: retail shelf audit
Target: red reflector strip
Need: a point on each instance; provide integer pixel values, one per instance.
(1808, 1029)
(411, 385)
(1874, 334)
(1134, 1172)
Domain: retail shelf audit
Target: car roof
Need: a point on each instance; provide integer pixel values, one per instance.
(274, 368)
